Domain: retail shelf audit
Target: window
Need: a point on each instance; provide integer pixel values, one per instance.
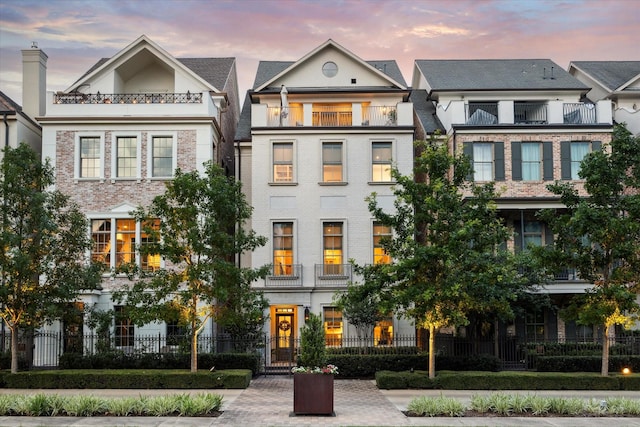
(332, 248)
(331, 162)
(176, 333)
(125, 235)
(532, 161)
(532, 233)
(149, 262)
(572, 153)
(124, 329)
(329, 69)
(383, 331)
(333, 326)
(380, 256)
(90, 157)
(381, 162)
(534, 326)
(482, 162)
(282, 248)
(487, 159)
(101, 237)
(126, 157)
(162, 156)
(283, 162)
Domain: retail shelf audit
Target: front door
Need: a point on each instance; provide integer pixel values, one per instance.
(284, 337)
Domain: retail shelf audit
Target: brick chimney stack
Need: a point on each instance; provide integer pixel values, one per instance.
(34, 81)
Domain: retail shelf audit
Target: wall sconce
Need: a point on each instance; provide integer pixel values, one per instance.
(306, 314)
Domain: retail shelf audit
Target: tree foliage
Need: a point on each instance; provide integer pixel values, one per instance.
(313, 353)
(198, 227)
(447, 260)
(599, 235)
(44, 243)
(360, 305)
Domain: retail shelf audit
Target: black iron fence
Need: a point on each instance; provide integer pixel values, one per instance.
(43, 349)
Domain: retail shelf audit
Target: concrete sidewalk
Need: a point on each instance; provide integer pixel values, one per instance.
(269, 401)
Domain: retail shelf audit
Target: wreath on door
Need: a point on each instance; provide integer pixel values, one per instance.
(284, 325)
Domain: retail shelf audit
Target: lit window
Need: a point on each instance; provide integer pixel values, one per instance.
(332, 248)
(101, 237)
(383, 331)
(380, 232)
(332, 162)
(283, 162)
(123, 252)
(381, 162)
(124, 329)
(90, 157)
(127, 157)
(162, 158)
(148, 261)
(126, 240)
(333, 326)
(283, 249)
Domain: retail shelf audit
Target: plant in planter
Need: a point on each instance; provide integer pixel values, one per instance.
(313, 379)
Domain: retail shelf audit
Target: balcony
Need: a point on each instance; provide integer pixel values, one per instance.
(524, 113)
(127, 98)
(333, 275)
(337, 116)
(579, 113)
(284, 276)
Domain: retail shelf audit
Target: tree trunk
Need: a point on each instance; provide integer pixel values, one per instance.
(194, 350)
(432, 351)
(605, 351)
(14, 349)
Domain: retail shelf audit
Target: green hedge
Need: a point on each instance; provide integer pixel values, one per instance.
(585, 363)
(129, 379)
(120, 360)
(505, 381)
(366, 365)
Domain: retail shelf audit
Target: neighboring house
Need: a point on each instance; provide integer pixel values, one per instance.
(316, 136)
(524, 125)
(117, 134)
(618, 81)
(20, 124)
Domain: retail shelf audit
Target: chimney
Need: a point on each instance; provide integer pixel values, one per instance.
(34, 81)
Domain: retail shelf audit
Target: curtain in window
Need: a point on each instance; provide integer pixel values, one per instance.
(531, 162)
(578, 151)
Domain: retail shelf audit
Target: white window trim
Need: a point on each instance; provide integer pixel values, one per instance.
(174, 153)
(294, 161)
(370, 159)
(295, 237)
(76, 156)
(372, 222)
(343, 142)
(345, 238)
(114, 155)
(138, 236)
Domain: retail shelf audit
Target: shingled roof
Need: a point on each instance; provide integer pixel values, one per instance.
(497, 74)
(611, 74)
(425, 111)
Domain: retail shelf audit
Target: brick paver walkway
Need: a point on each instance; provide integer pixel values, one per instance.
(269, 402)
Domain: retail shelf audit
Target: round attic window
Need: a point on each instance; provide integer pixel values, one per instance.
(329, 69)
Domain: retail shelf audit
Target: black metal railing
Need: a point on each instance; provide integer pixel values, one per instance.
(128, 98)
(579, 113)
(284, 275)
(530, 113)
(333, 274)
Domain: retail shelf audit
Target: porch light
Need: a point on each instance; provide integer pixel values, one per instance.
(626, 371)
(306, 314)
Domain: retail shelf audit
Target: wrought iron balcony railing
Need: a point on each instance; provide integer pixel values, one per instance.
(530, 113)
(333, 274)
(128, 98)
(327, 116)
(579, 113)
(284, 275)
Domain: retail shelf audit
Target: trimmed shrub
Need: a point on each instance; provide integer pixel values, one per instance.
(120, 360)
(585, 363)
(390, 380)
(130, 379)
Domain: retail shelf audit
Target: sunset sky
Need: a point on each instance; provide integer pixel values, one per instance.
(76, 34)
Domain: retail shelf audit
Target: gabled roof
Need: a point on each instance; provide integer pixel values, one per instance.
(269, 71)
(497, 74)
(9, 107)
(212, 72)
(612, 75)
(243, 130)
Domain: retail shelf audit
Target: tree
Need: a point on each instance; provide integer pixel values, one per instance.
(198, 227)
(44, 244)
(445, 247)
(599, 236)
(360, 305)
(313, 352)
